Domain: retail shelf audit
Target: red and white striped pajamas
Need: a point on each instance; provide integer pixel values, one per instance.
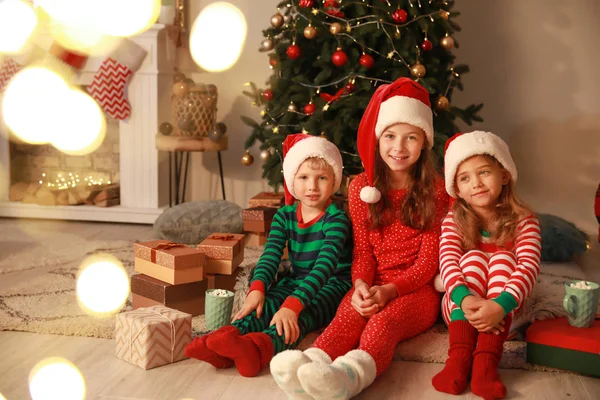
(490, 270)
(396, 254)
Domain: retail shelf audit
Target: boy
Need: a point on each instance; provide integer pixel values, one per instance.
(318, 236)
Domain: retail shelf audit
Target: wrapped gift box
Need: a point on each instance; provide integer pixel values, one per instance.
(224, 252)
(256, 239)
(268, 199)
(188, 297)
(169, 262)
(154, 336)
(555, 343)
(258, 219)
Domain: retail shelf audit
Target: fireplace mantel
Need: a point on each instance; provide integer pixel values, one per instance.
(143, 170)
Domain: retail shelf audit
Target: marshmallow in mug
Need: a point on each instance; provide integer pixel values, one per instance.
(581, 285)
(220, 293)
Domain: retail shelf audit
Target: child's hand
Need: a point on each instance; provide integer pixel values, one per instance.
(255, 300)
(383, 294)
(471, 304)
(487, 317)
(286, 320)
(361, 299)
(499, 327)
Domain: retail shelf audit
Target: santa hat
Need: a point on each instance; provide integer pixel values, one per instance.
(297, 148)
(403, 101)
(466, 145)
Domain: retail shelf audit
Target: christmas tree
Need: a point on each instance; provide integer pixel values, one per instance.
(329, 56)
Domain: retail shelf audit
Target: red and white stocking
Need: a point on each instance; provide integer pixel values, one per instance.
(110, 81)
(8, 69)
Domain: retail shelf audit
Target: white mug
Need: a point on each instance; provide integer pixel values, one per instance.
(167, 15)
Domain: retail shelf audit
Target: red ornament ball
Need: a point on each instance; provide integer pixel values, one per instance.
(427, 45)
(267, 95)
(309, 109)
(306, 3)
(400, 16)
(339, 58)
(349, 87)
(293, 51)
(273, 62)
(366, 61)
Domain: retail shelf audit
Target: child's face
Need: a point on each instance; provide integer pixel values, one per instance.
(313, 184)
(400, 146)
(479, 182)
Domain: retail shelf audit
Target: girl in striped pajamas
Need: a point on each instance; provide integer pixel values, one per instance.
(277, 316)
(396, 207)
(489, 261)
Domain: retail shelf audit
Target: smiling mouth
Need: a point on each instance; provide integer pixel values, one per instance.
(400, 158)
(479, 193)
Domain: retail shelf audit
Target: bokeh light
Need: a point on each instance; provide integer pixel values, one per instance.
(218, 36)
(17, 23)
(133, 16)
(83, 125)
(2, 397)
(32, 102)
(56, 378)
(102, 285)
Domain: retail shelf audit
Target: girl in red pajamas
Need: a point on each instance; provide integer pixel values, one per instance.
(396, 208)
(489, 261)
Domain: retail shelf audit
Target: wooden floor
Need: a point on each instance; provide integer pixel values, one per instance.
(107, 377)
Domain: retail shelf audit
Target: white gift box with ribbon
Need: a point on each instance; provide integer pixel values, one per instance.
(153, 336)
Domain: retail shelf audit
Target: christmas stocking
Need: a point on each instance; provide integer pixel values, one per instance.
(8, 69)
(111, 80)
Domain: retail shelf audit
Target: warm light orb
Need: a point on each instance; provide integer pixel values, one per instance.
(133, 16)
(31, 104)
(218, 36)
(102, 285)
(56, 378)
(83, 126)
(17, 23)
(2, 397)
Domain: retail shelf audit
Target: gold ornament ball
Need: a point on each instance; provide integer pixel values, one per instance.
(180, 89)
(247, 159)
(397, 34)
(418, 70)
(335, 28)
(265, 154)
(267, 45)
(277, 20)
(444, 15)
(310, 32)
(292, 107)
(447, 42)
(442, 103)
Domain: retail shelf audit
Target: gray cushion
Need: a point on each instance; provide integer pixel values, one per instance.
(192, 222)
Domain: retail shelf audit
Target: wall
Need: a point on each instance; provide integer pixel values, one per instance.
(533, 65)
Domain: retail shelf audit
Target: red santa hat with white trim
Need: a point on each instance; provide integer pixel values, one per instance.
(297, 148)
(463, 146)
(402, 101)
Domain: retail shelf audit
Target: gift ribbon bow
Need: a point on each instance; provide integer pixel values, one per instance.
(162, 246)
(223, 237)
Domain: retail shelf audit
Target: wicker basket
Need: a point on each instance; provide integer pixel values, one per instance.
(199, 108)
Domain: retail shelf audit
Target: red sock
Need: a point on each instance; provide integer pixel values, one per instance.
(250, 353)
(454, 377)
(197, 349)
(486, 381)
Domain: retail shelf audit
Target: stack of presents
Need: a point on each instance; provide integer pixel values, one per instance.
(171, 284)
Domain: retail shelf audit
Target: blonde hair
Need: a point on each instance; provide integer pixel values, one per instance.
(509, 211)
(418, 210)
(316, 163)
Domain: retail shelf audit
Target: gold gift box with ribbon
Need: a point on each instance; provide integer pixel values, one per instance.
(169, 262)
(224, 252)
